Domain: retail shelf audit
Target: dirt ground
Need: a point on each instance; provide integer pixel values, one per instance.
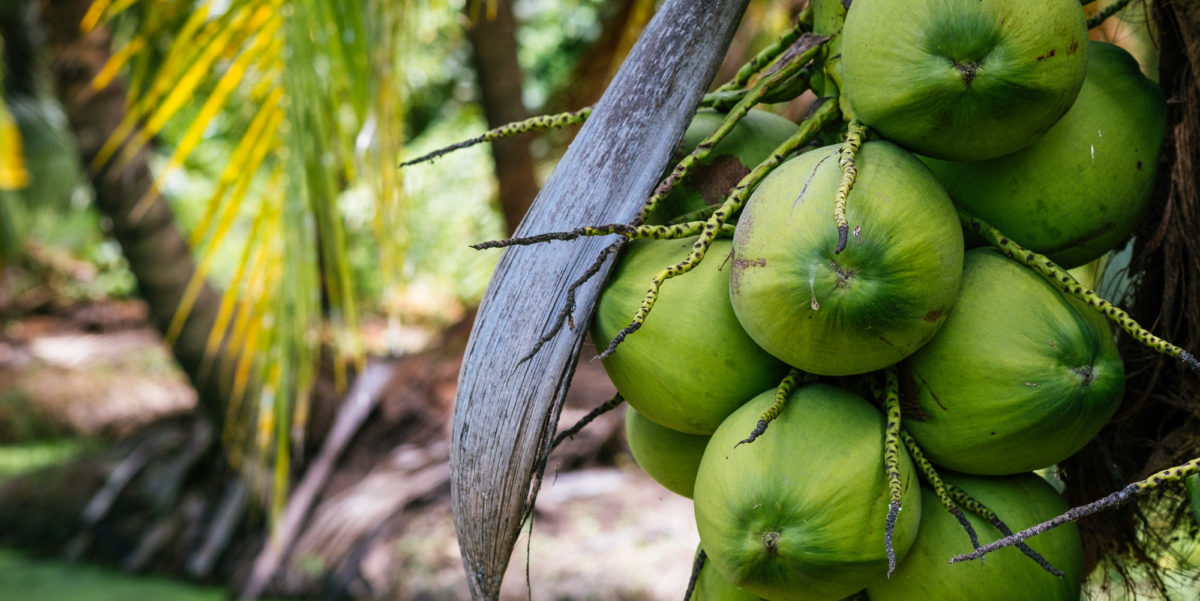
(600, 534)
(603, 530)
(93, 370)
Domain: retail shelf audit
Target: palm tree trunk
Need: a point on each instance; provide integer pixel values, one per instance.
(157, 253)
(494, 54)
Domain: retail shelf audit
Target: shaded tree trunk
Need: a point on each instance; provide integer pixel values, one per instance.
(591, 74)
(19, 44)
(494, 54)
(157, 253)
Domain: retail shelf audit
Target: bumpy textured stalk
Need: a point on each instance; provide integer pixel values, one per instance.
(822, 116)
(786, 90)
(1068, 284)
(765, 57)
(891, 460)
(560, 120)
(540, 470)
(629, 232)
(951, 497)
(797, 56)
(578, 426)
(854, 139)
(981, 510)
(934, 480)
(782, 392)
(567, 312)
(532, 124)
(1171, 474)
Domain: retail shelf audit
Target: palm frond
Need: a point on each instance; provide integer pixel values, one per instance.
(310, 92)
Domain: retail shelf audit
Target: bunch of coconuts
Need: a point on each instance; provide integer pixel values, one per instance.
(1000, 110)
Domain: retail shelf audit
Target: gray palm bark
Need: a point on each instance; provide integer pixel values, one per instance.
(507, 409)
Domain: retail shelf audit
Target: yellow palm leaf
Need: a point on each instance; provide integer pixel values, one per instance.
(172, 87)
(270, 111)
(223, 227)
(101, 11)
(300, 83)
(117, 61)
(184, 90)
(13, 174)
(208, 111)
(267, 213)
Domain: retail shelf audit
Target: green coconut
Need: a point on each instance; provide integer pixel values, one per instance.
(1020, 377)
(878, 300)
(799, 514)
(712, 586)
(751, 141)
(963, 80)
(671, 458)
(1082, 188)
(1192, 484)
(1020, 501)
(690, 364)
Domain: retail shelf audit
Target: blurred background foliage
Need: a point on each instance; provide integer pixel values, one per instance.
(273, 130)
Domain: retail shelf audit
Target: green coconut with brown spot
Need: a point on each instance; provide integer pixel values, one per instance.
(1081, 189)
(799, 514)
(1020, 501)
(691, 363)
(1020, 377)
(878, 300)
(750, 142)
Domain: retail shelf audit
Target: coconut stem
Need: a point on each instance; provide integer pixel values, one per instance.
(697, 565)
(939, 486)
(567, 313)
(578, 426)
(1068, 284)
(631, 232)
(782, 392)
(823, 114)
(765, 57)
(560, 120)
(797, 56)
(974, 506)
(891, 460)
(854, 139)
(532, 124)
(951, 497)
(1171, 474)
